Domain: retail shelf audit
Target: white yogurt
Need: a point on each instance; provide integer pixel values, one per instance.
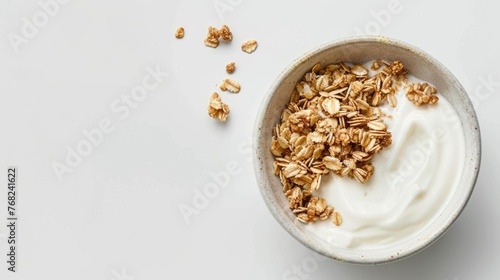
(414, 179)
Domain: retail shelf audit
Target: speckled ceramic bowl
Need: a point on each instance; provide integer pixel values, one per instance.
(360, 50)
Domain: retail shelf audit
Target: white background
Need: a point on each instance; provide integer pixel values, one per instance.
(116, 215)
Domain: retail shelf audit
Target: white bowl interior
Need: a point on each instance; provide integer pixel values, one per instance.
(361, 50)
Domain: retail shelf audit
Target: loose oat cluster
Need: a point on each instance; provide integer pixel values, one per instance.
(421, 94)
(179, 33)
(225, 33)
(230, 67)
(213, 35)
(332, 124)
(217, 109)
(249, 46)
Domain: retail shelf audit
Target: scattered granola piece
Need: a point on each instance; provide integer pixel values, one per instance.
(230, 67)
(211, 42)
(213, 32)
(230, 85)
(212, 39)
(179, 33)
(225, 33)
(249, 46)
(217, 109)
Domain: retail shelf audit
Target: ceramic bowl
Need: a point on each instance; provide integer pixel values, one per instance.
(360, 50)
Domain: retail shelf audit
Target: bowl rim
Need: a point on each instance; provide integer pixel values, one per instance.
(265, 190)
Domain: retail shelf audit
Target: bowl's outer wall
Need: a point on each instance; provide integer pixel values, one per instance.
(361, 50)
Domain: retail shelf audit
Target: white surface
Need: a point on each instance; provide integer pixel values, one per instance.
(116, 216)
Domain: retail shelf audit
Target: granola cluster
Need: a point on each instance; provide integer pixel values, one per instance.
(421, 94)
(217, 109)
(332, 124)
(213, 35)
(225, 33)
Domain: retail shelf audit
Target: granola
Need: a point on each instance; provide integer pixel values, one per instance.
(249, 46)
(225, 33)
(230, 67)
(212, 39)
(213, 35)
(421, 94)
(179, 33)
(333, 123)
(217, 109)
(230, 85)
(337, 218)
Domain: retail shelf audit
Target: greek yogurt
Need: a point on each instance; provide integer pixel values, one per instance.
(414, 179)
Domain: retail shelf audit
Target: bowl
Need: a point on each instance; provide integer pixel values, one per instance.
(360, 50)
